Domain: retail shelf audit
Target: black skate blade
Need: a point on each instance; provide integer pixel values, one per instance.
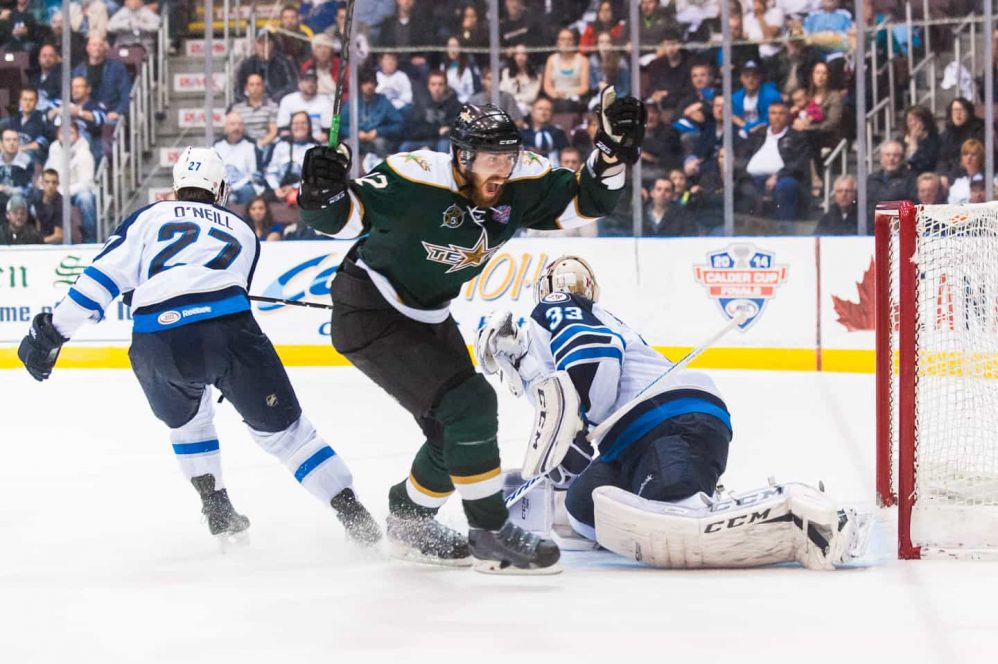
(499, 568)
(408, 554)
(232, 541)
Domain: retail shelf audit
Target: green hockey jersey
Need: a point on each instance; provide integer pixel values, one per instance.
(426, 239)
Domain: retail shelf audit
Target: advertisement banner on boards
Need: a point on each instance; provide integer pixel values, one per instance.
(800, 294)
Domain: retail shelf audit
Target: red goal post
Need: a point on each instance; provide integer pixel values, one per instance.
(937, 376)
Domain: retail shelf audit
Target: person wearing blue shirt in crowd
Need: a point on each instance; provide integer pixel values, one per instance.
(109, 81)
(750, 103)
(379, 123)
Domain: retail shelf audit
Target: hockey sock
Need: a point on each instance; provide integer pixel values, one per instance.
(469, 414)
(315, 464)
(428, 486)
(196, 444)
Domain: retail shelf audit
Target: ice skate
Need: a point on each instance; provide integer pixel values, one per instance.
(423, 539)
(228, 526)
(513, 550)
(358, 522)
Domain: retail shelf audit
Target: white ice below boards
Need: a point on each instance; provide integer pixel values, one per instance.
(103, 557)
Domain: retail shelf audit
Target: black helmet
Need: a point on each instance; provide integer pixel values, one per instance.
(484, 129)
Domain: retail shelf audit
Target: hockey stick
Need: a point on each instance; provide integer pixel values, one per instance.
(346, 44)
(296, 303)
(607, 424)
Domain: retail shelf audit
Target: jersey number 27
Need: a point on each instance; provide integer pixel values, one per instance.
(188, 233)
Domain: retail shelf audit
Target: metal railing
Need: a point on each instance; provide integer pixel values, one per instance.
(965, 28)
(841, 153)
(884, 107)
(926, 67)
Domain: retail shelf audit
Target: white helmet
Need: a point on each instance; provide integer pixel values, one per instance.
(201, 168)
(568, 274)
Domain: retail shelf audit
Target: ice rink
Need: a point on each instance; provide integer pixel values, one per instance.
(103, 556)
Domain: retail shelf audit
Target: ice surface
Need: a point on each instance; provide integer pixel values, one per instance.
(103, 557)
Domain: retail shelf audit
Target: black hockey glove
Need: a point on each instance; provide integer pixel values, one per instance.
(39, 349)
(621, 126)
(579, 456)
(324, 176)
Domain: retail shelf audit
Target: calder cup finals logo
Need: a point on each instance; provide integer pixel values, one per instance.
(741, 277)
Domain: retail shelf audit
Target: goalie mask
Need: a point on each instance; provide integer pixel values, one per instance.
(201, 168)
(568, 274)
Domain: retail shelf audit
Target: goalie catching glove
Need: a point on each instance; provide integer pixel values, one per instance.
(499, 347)
(621, 126)
(40, 347)
(325, 174)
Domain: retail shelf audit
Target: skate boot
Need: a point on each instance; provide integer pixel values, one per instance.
(357, 521)
(423, 539)
(223, 520)
(513, 550)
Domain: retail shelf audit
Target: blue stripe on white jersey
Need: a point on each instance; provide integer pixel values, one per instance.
(166, 251)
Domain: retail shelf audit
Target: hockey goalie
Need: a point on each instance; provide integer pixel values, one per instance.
(651, 492)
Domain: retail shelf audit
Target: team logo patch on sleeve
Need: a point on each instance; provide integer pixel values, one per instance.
(554, 298)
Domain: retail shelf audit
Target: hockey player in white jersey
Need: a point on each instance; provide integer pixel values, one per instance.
(185, 266)
(651, 493)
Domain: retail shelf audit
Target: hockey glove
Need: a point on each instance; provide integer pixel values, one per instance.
(40, 348)
(499, 347)
(621, 126)
(324, 176)
(580, 455)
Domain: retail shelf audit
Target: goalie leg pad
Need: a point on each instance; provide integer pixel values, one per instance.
(777, 524)
(556, 422)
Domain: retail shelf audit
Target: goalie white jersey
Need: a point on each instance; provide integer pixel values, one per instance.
(610, 364)
(177, 262)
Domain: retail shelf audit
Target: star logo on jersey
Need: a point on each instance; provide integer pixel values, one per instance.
(409, 157)
(460, 258)
(453, 216)
(529, 158)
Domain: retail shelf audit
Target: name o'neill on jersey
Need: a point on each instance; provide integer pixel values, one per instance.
(460, 258)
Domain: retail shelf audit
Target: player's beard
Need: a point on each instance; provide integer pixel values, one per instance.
(487, 193)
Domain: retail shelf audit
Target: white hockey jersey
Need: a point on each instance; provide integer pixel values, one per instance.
(178, 261)
(610, 364)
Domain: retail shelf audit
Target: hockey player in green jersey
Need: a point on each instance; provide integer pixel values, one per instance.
(429, 222)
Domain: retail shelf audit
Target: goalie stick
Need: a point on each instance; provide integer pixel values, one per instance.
(607, 424)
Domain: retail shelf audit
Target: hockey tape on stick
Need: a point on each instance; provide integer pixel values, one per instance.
(294, 303)
(346, 45)
(608, 423)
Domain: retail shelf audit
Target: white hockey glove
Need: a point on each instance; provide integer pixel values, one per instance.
(499, 347)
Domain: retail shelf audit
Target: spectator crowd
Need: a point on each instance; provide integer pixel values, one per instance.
(792, 102)
(32, 154)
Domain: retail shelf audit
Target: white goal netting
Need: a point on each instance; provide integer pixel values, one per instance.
(956, 379)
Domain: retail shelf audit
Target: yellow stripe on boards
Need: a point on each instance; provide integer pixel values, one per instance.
(772, 359)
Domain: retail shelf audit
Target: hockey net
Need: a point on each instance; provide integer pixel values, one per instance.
(937, 376)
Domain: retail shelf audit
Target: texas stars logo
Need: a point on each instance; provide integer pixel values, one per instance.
(416, 159)
(530, 158)
(460, 258)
